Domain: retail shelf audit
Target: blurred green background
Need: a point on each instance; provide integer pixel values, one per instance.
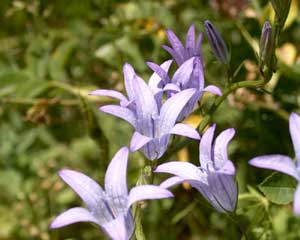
(52, 53)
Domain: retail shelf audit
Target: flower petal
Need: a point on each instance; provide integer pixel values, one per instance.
(145, 192)
(296, 203)
(138, 141)
(120, 112)
(171, 110)
(174, 54)
(198, 45)
(73, 215)
(163, 75)
(146, 107)
(213, 89)
(183, 73)
(224, 189)
(176, 44)
(205, 147)
(220, 148)
(120, 228)
(295, 134)
(171, 87)
(197, 79)
(170, 182)
(190, 40)
(185, 130)
(115, 176)
(184, 170)
(129, 74)
(155, 79)
(109, 93)
(277, 162)
(88, 190)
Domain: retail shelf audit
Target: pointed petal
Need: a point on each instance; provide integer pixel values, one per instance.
(146, 107)
(183, 73)
(145, 192)
(197, 79)
(171, 110)
(71, 216)
(155, 79)
(190, 39)
(213, 89)
(205, 147)
(198, 45)
(129, 74)
(296, 203)
(163, 75)
(109, 93)
(277, 162)
(174, 54)
(88, 190)
(228, 168)
(220, 148)
(185, 130)
(184, 170)
(224, 189)
(120, 228)
(120, 112)
(176, 44)
(115, 176)
(295, 134)
(172, 181)
(138, 141)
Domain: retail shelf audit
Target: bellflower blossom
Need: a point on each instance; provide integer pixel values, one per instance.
(285, 164)
(214, 179)
(109, 209)
(153, 122)
(190, 73)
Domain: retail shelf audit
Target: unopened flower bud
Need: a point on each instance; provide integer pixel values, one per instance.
(266, 44)
(266, 51)
(216, 42)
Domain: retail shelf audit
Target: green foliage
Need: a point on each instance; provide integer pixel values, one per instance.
(279, 188)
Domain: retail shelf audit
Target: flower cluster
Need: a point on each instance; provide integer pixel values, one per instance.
(155, 109)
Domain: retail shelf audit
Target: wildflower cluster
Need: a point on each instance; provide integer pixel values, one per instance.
(156, 109)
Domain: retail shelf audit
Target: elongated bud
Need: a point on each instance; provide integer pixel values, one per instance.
(281, 8)
(216, 42)
(266, 51)
(266, 44)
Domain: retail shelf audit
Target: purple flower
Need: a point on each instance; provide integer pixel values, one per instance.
(110, 209)
(283, 163)
(192, 46)
(153, 122)
(216, 42)
(214, 179)
(190, 73)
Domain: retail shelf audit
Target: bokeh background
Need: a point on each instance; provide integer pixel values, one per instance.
(52, 53)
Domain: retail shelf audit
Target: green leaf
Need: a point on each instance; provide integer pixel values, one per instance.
(279, 188)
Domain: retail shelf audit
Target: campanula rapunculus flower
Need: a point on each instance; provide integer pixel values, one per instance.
(214, 179)
(216, 42)
(109, 209)
(190, 72)
(285, 164)
(153, 122)
(192, 46)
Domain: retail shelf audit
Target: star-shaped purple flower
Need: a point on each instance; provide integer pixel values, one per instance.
(153, 122)
(190, 72)
(109, 209)
(283, 163)
(214, 179)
